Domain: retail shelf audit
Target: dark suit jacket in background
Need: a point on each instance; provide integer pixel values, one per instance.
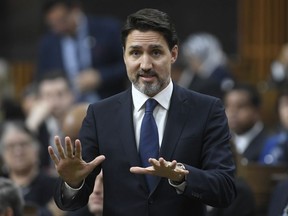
(106, 54)
(254, 149)
(278, 199)
(196, 134)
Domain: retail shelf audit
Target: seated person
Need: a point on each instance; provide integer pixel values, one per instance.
(275, 150)
(20, 150)
(11, 200)
(243, 104)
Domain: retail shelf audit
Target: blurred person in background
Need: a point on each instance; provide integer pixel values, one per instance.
(243, 109)
(207, 69)
(95, 203)
(19, 149)
(275, 149)
(11, 200)
(86, 47)
(46, 111)
(279, 69)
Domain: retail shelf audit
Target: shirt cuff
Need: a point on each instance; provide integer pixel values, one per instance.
(179, 187)
(69, 192)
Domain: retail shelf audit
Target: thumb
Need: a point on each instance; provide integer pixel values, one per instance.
(98, 160)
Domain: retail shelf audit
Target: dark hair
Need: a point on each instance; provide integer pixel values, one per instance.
(19, 125)
(50, 4)
(52, 75)
(251, 90)
(10, 196)
(150, 19)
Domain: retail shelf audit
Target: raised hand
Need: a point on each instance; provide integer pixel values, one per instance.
(162, 168)
(69, 164)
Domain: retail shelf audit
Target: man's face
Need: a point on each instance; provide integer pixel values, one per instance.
(57, 93)
(60, 20)
(148, 61)
(19, 153)
(241, 114)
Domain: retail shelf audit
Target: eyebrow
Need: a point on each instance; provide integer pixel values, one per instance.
(153, 46)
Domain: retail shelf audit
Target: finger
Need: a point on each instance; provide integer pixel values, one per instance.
(153, 162)
(173, 164)
(59, 147)
(78, 149)
(98, 160)
(69, 147)
(141, 170)
(163, 162)
(53, 155)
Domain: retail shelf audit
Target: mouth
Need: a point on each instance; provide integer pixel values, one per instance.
(147, 76)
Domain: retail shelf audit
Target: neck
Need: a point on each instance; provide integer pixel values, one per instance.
(24, 178)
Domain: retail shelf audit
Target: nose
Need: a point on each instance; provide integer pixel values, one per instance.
(146, 63)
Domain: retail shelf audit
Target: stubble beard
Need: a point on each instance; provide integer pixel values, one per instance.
(148, 88)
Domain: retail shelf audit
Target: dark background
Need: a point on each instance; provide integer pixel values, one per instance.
(22, 24)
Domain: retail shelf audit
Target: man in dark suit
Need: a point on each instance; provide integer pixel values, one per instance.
(194, 165)
(86, 47)
(243, 104)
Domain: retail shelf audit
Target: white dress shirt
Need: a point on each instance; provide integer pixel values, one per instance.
(160, 112)
(242, 141)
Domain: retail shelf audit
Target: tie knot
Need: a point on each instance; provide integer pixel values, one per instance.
(150, 105)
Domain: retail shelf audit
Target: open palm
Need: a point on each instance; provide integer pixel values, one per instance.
(69, 163)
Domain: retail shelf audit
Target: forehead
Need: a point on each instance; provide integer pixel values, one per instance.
(53, 84)
(237, 96)
(57, 11)
(14, 133)
(145, 39)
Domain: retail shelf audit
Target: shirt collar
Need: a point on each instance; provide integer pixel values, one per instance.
(163, 97)
(253, 132)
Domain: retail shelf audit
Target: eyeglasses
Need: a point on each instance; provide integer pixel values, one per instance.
(23, 145)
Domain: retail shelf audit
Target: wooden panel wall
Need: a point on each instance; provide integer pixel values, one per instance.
(262, 30)
(261, 33)
(21, 75)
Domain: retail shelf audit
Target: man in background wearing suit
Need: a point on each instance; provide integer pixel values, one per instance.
(243, 109)
(86, 47)
(194, 163)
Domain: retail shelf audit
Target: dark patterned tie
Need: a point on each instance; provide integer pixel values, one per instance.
(149, 141)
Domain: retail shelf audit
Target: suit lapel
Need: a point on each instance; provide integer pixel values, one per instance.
(177, 116)
(127, 134)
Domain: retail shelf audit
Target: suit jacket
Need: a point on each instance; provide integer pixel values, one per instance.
(278, 199)
(106, 54)
(196, 134)
(254, 149)
(243, 205)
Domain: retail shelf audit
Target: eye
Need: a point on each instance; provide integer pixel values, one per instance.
(156, 52)
(135, 53)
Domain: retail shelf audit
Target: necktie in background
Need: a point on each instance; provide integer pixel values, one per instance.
(149, 141)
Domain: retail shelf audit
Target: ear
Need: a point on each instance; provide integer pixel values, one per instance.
(174, 54)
